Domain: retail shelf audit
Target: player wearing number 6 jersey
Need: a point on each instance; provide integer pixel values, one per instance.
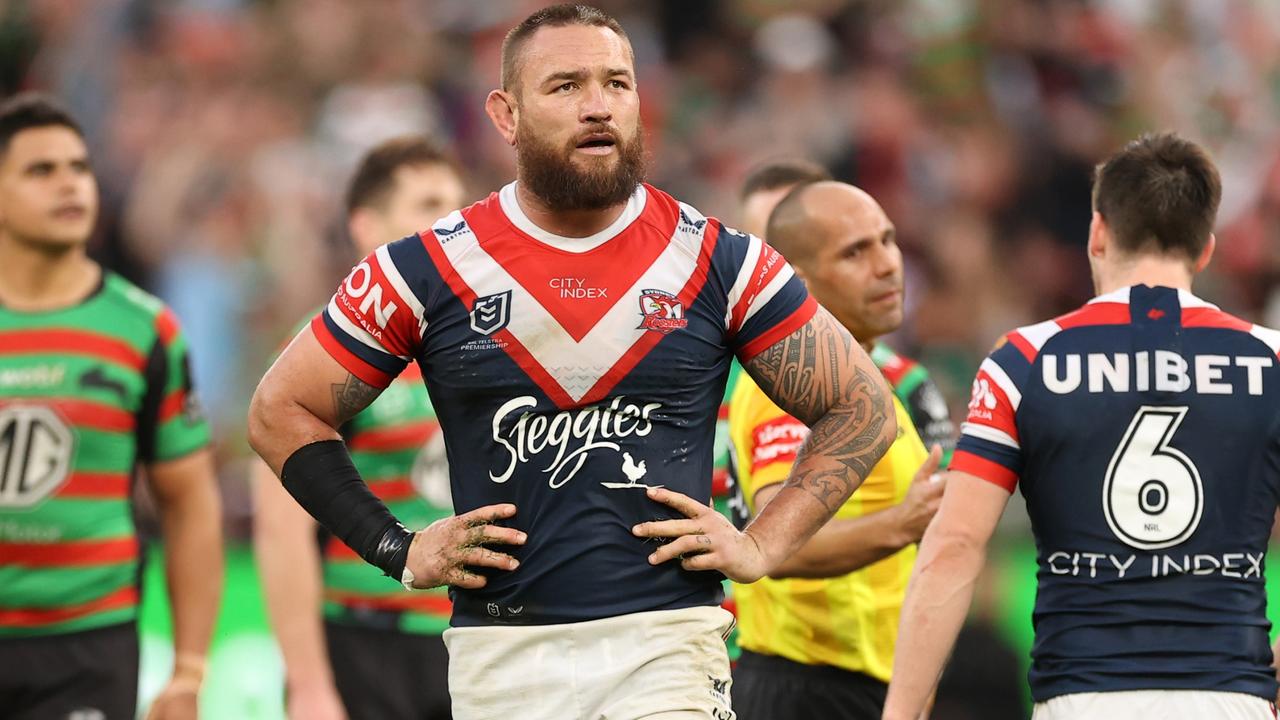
(1142, 429)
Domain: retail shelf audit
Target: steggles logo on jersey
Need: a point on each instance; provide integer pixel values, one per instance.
(491, 313)
(570, 434)
(662, 312)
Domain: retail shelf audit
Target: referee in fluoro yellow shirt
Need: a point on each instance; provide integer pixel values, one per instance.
(818, 635)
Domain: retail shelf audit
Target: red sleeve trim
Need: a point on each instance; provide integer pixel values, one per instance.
(793, 322)
(767, 267)
(166, 326)
(353, 364)
(1027, 349)
(172, 405)
(984, 469)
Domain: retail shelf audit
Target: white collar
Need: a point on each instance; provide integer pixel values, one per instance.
(511, 207)
(1185, 299)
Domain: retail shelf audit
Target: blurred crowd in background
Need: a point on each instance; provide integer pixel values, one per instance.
(224, 130)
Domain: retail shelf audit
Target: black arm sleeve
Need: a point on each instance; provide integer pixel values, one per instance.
(324, 481)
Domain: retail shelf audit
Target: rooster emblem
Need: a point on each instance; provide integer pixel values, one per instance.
(662, 312)
(633, 470)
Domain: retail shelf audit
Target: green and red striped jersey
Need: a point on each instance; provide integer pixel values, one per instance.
(86, 393)
(921, 397)
(396, 445)
(722, 490)
(398, 450)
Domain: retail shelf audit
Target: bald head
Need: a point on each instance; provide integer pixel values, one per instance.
(839, 240)
(811, 215)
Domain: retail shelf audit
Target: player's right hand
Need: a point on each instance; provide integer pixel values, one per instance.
(923, 497)
(441, 553)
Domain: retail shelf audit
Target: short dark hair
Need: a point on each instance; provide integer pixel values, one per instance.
(1159, 193)
(783, 173)
(553, 16)
(32, 110)
(376, 174)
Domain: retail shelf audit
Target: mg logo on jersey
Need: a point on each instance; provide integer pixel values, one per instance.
(491, 313)
(35, 454)
(662, 312)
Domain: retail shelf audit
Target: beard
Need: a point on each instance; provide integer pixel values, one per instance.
(551, 173)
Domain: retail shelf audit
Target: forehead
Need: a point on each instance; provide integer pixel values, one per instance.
(849, 218)
(423, 178)
(49, 142)
(571, 47)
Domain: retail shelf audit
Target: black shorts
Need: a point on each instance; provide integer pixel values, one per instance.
(389, 675)
(766, 687)
(90, 675)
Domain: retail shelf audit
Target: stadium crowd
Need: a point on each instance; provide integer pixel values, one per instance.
(223, 133)
(224, 130)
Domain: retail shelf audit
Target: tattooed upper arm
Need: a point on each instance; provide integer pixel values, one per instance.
(802, 372)
(820, 376)
(352, 396)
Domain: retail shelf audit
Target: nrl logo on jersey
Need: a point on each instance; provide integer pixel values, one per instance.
(661, 312)
(491, 313)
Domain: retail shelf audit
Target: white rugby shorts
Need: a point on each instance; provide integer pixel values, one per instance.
(1152, 704)
(662, 665)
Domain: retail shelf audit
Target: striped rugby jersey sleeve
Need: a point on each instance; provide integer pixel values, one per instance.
(767, 302)
(989, 447)
(374, 323)
(172, 422)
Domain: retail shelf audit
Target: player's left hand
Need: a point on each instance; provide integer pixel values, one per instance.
(705, 541)
(179, 700)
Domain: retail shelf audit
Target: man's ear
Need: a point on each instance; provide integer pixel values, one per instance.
(1206, 255)
(500, 106)
(1099, 237)
(363, 226)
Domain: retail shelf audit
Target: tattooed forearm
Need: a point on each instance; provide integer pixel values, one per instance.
(351, 397)
(817, 375)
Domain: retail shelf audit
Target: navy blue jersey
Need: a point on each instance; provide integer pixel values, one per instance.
(1142, 430)
(568, 375)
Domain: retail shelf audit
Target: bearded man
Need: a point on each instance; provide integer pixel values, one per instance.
(575, 331)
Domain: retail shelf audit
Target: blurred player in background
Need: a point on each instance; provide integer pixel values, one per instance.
(378, 650)
(1142, 429)
(576, 331)
(761, 191)
(818, 633)
(94, 381)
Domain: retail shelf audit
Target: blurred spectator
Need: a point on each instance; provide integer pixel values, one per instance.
(223, 130)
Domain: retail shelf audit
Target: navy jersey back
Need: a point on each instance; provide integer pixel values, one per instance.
(1142, 430)
(568, 375)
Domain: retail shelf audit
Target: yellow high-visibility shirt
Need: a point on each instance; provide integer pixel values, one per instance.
(851, 621)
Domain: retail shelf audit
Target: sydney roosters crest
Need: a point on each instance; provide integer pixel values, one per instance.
(661, 311)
